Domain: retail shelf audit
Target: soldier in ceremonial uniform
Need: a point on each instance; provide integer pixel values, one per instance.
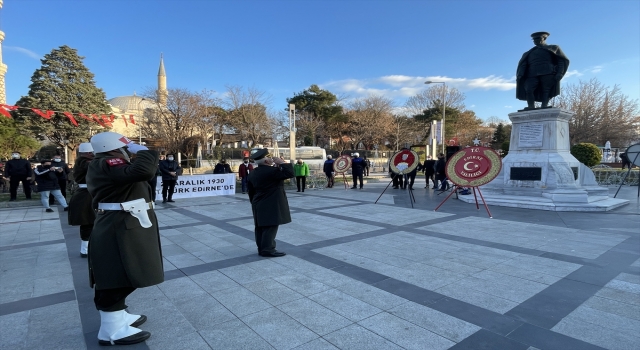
(268, 200)
(124, 253)
(81, 211)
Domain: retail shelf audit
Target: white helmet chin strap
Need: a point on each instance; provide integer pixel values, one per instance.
(126, 156)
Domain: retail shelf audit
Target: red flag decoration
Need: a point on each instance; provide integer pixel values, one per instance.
(4, 108)
(125, 121)
(131, 119)
(46, 115)
(97, 120)
(70, 116)
(85, 117)
(107, 120)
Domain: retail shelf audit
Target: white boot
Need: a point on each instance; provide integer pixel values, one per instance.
(114, 326)
(84, 248)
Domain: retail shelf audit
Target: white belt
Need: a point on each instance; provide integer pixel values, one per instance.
(116, 206)
(82, 185)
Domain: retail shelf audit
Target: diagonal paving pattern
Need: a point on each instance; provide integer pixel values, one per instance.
(358, 276)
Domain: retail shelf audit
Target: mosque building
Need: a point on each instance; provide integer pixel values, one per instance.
(136, 105)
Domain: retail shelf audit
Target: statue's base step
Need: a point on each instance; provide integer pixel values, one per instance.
(541, 203)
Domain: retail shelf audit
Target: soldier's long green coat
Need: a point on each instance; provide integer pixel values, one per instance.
(80, 206)
(121, 252)
(266, 193)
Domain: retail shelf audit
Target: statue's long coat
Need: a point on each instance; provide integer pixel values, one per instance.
(521, 94)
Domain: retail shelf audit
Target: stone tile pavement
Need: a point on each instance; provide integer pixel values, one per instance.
(358, 275)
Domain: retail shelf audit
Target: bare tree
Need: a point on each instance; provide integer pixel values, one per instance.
(601, 113)
(183, 116)
(248, 112)
(432, 98)
(367, 119)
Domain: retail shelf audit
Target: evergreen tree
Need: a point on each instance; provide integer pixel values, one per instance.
(62, 84)
(500, 136)
(12, 140)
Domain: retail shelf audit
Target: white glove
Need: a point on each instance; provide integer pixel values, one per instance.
(134, 147)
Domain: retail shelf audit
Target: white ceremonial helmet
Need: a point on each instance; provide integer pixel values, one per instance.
(85, 147)
(108, 141)
(356, 154)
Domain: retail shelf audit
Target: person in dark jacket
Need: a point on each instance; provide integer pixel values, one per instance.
(63, 176)
(222, 167)
(18, 170)
(327, 168)
(80, 209)
(268, 200)
(357, 169)
(124, 252)
(429, 172)
(47, 181)
(396, 179)
(367, 165)
(626, 163)
(410, 177)
(170, 170)
(243, 172)
(441, 176)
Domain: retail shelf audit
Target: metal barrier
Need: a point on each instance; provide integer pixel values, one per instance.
(608, 176)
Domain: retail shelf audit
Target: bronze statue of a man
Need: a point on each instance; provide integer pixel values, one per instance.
(540, 71)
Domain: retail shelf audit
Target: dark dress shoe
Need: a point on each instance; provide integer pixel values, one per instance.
(142, 319)
(353, 188)
(164, 201)
(132, 339)
(49, 210)
(83, 255)
(273, 254)
(66, 208)
(171, 201)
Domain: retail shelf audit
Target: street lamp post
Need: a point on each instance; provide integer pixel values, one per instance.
(444, 107)
(292, 133)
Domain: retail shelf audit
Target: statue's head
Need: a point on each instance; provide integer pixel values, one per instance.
(539, 38)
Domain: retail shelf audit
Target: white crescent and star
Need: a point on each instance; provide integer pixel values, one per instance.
(475, 166)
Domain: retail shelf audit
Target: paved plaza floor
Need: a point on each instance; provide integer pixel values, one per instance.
(357, 275)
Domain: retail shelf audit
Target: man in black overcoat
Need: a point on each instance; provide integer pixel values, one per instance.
(124, 249)
(17, 170)
(170, 170)
(268, 200)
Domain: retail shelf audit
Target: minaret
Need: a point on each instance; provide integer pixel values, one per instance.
(3, 68)
(162, 83)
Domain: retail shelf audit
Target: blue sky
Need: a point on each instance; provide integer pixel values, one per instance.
(351, 47)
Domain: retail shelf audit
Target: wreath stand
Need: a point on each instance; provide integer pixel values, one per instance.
(412, 198)
(474, 196)
(627, 174)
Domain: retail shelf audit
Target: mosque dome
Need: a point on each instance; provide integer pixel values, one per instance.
(131, 103)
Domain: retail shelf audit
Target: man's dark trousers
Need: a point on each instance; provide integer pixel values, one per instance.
(266, 238)
(168, 187)
(13, 186)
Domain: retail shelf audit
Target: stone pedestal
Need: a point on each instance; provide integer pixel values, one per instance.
(540, 173)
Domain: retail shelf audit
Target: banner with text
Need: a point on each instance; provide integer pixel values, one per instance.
(190, 186)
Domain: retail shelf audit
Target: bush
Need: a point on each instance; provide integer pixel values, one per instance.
(587, 153)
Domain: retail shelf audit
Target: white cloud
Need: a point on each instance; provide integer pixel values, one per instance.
(394, 86)
(572, 73)
(23, 51)
(595, 69)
